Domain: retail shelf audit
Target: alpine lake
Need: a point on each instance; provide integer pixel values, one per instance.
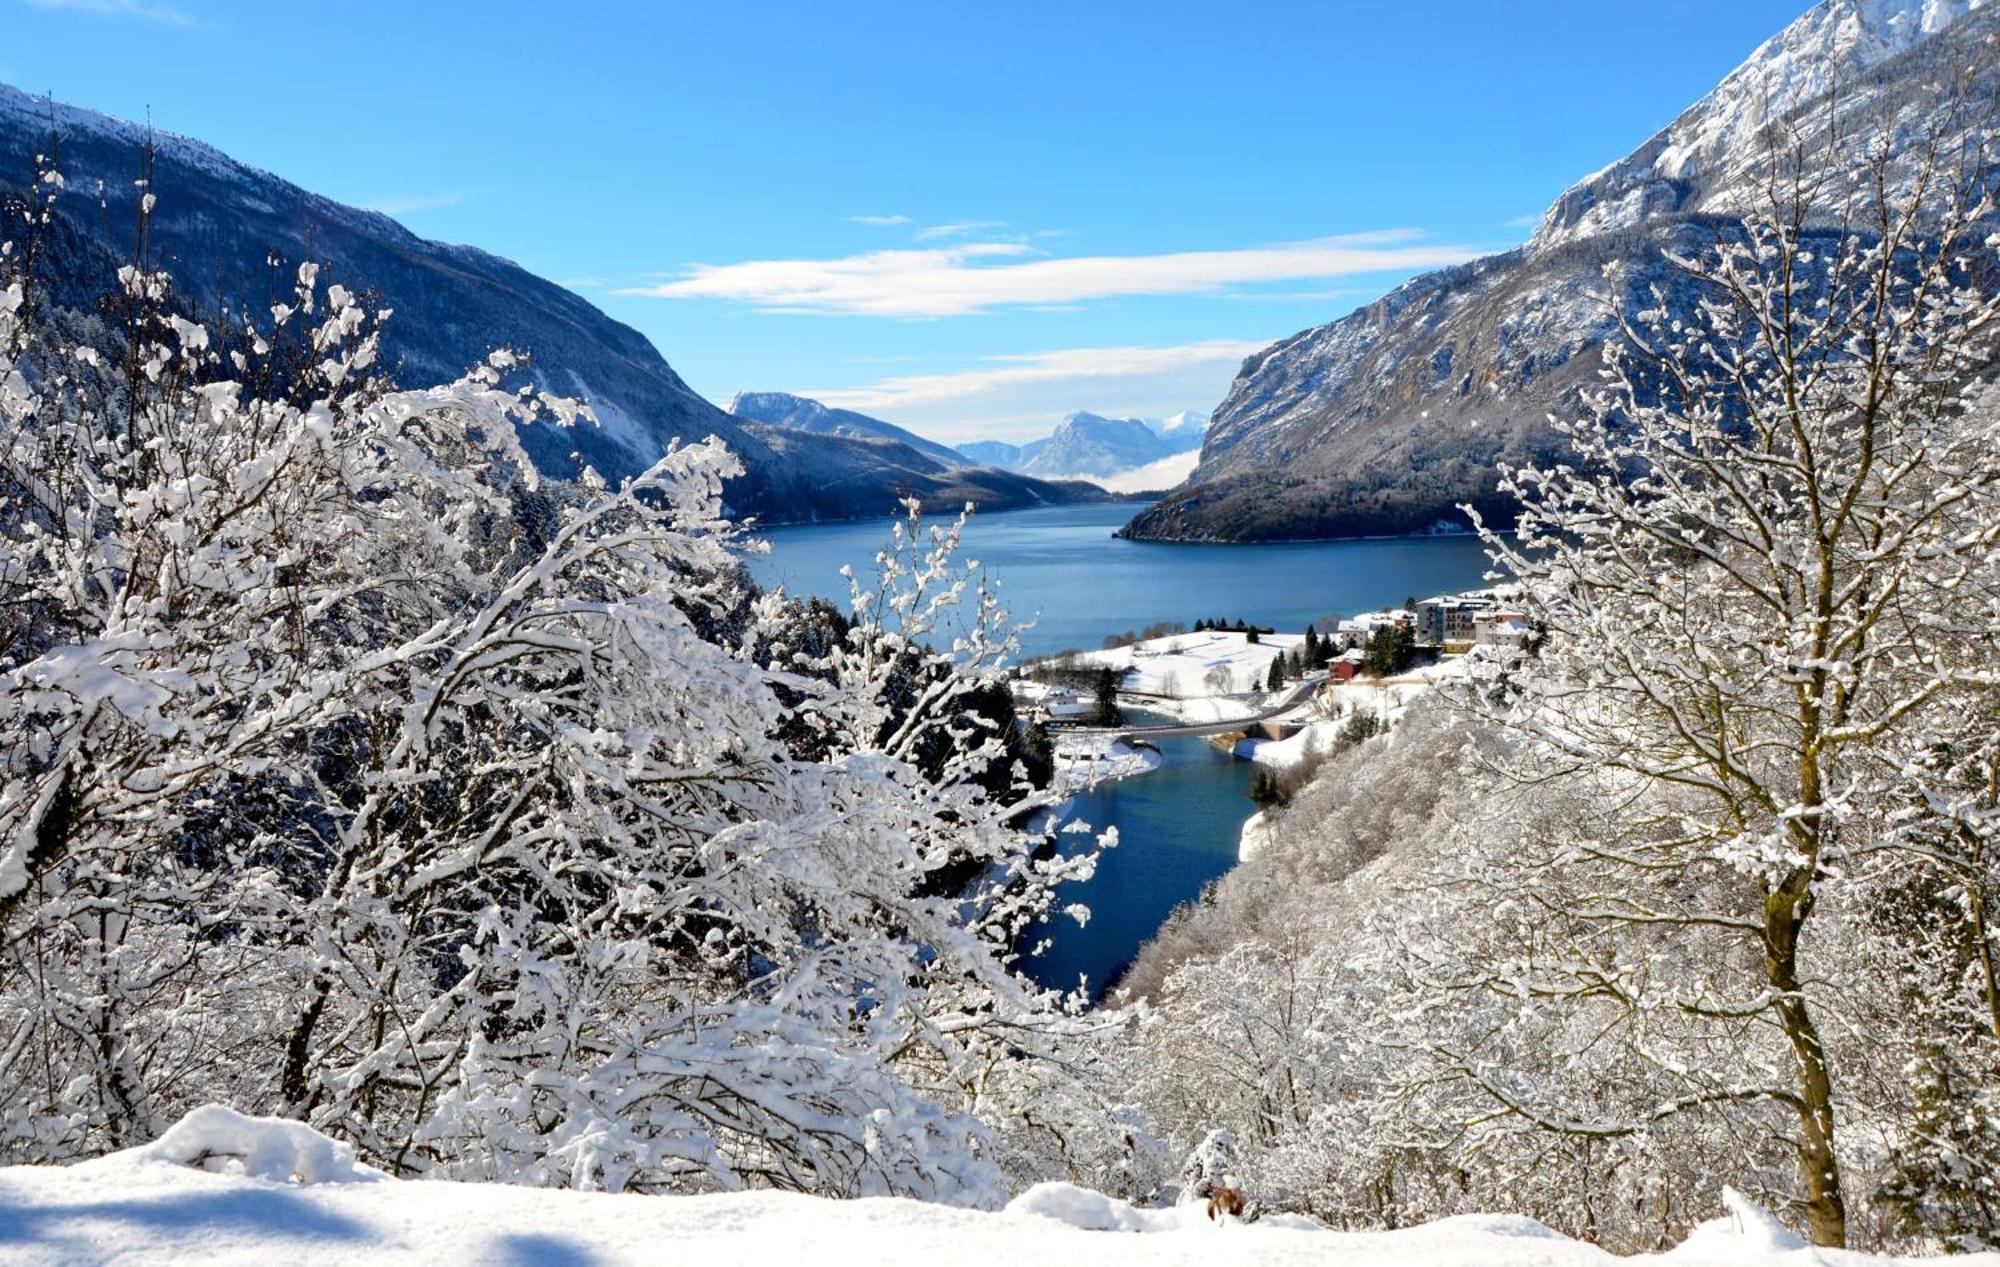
(1060, 568)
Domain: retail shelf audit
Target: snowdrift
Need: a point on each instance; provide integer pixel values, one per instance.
(224, 1188)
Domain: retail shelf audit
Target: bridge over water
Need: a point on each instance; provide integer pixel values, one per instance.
(1285, 704)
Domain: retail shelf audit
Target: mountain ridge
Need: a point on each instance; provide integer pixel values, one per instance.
(226, 230)
(938, 476)
(1086, 445)
(1386, 420)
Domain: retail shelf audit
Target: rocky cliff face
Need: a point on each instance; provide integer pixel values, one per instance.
(1386, 420)
(231, 234)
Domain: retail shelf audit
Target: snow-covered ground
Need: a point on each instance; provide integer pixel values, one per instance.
(1214, 676)
(1083, 760)
(1256, 833)
(304, 1200)
(1196, 665)
(1336, 705)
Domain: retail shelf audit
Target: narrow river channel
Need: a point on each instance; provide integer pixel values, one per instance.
(1178, 828)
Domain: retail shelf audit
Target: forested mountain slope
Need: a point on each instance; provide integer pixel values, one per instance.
(232, 236)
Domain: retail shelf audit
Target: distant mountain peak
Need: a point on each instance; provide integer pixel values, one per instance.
(777, 408)
(802, 413)
(1187, 420)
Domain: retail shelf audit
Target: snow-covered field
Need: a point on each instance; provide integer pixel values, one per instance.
(1196, 665)
(1084, 760)
(304, 1200)
(1214, 676)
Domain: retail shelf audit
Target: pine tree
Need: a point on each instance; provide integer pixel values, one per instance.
(1265, 789)
(1108, 712)
(1391, 649)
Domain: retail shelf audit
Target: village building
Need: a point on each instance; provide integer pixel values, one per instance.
(1343, 667)
(1499, 628)
(1449, 618)
(1354, 631)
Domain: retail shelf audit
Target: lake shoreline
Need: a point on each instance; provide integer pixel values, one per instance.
(1180, 821)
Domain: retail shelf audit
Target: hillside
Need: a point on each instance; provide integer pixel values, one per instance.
(231, 234)
(859, 469)
(1387, 419)
(782, 409)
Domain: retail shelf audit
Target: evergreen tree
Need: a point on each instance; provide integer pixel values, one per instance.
(1276, 677)
(1108, 713)
(1391, 649)
(1265, 789)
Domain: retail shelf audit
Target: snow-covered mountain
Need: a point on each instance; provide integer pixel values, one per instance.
(1387, 419)
(219, 223)
(830, 446)
(782, 409)
(1090, 446)
(1716, 143)
(999, 453)
(1184, 430)
(1087, 444)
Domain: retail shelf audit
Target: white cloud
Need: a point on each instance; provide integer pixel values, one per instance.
(973, 277)
(1529, 221)
(956, 229)
(1020, 397)
(159, 14)
(879, 222)
(1165, 473)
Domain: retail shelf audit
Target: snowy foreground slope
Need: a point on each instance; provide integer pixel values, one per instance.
(304, 1200)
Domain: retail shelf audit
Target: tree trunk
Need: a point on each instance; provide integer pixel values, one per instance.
(1785, 911)
(292, 1084)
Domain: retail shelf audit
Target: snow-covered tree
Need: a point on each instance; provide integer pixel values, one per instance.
(1753, 573)
(349, 771)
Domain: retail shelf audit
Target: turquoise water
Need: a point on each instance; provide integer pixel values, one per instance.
(1177, 826)
(1177, 831)
(1061, 567)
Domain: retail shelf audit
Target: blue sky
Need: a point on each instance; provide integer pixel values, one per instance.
(969, 219)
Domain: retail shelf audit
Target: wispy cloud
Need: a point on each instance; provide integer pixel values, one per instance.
(1019, 396)
(955, 229)
(972, 277)
(1331, 293)
(1532, 220)
(137, 10)
(407, 204)
(880, 222)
